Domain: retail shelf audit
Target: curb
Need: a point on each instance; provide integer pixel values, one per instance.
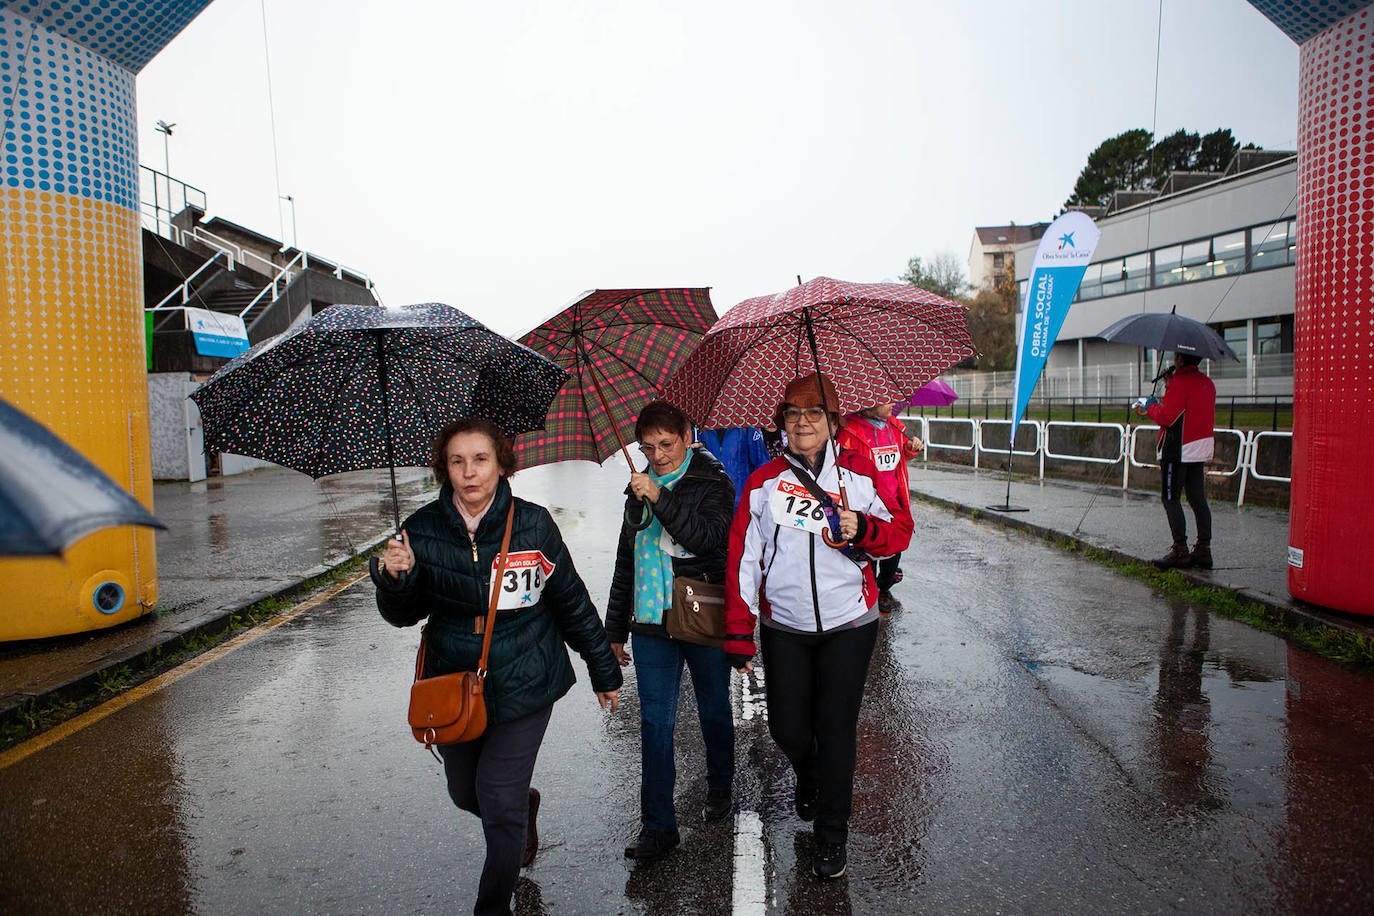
(210, 622)
(1291, 612)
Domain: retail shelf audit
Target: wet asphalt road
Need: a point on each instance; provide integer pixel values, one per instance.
(1039, 736)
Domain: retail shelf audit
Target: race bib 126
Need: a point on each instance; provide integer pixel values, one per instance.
(887, 457)
(793, 506)
(523, 582)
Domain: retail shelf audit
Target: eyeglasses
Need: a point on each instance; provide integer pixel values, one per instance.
(649, 449)
(794, 414)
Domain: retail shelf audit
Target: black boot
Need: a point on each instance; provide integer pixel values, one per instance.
(1178, 557)
(1202, 555)
(652, 845)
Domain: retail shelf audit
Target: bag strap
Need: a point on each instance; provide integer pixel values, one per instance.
(491, 608)
(812, 486)
(496, 592)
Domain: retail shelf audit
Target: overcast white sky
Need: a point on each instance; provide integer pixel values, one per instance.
(502, 157)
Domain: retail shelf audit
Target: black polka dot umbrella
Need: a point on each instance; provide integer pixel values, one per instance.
(360, 386)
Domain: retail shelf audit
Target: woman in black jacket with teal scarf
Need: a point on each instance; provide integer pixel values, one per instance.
(441, 568)
(692, 499)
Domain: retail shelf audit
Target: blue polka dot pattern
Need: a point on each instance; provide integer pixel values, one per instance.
(69, 117)
(1301, 19)
(127, 32)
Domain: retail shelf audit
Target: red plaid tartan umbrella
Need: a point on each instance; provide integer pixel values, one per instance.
(876, 342)
(618, 345)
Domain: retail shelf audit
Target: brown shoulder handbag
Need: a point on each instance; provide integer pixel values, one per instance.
(450, 708)
(697, 614)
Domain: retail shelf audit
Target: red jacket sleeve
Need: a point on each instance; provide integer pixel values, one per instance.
(882, 537)
(1171, 406)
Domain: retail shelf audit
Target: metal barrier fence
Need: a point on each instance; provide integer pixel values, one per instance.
(1245, 464)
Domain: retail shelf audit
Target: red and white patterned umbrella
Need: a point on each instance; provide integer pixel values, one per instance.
(876, 342)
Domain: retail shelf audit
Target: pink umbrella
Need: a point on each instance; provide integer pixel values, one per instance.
(934, 393)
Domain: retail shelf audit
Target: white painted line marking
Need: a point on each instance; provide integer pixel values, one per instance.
(750, 885)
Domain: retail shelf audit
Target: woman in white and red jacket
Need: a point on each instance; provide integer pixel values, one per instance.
(817, 605)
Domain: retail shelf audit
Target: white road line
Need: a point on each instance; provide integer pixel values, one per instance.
(750, 884)
(751, 696)
(750, 896)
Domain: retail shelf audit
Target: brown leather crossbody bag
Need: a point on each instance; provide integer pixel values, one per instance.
(451, 708)
(697, 614)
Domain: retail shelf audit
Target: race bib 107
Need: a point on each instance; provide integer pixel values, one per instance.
(793, 506)
(887, 457)
(523, 582)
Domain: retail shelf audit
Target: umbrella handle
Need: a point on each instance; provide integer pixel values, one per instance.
(646, 515)
(837, 543)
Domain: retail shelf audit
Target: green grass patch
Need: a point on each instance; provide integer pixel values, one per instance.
(1329, 642)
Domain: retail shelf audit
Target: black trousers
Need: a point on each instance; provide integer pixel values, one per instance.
(815, 685)
(885, 571)
(490, 777)
(1177, 478)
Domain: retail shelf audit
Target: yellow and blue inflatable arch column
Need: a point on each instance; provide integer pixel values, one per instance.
(71, 283)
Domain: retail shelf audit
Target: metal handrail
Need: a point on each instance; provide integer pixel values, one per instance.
(300, 256)
(1251, 469)
(1037, 425)
(184, 288)
(923, 435)
(1254, 442)
(201, 233)
(1084, 424)
(961, 421)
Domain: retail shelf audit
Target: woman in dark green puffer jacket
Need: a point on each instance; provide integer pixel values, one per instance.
(441, 568)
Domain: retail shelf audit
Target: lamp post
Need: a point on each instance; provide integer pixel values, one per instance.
(166, 130)
(292, 201)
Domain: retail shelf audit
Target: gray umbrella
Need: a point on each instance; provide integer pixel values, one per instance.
(1169, 331)
(51, 495)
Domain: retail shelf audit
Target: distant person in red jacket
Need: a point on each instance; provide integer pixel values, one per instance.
(883, 438)
(1185, 417)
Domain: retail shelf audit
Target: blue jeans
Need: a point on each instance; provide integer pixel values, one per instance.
(658, 670)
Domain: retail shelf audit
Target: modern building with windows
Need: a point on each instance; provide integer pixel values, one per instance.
(1218, 248)
(992, 248)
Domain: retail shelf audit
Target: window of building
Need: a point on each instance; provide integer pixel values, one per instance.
(1114, 277)
(1137, 271)
(1169, 265)
(1273, 245)
(1236, 337)
(998, 260)
(1228, 254)
(1091, 287)
(1196, 260)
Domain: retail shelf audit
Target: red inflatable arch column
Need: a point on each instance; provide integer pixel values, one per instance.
(1331, 528)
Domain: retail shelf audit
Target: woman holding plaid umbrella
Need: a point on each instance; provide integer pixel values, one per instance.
(690, 500)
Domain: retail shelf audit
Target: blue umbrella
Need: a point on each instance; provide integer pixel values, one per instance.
(51, 495)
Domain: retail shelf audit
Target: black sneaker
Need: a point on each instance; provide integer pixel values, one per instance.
(805, 800)
(887, 604)
(829, 860)
(717, 805)
(652, 845)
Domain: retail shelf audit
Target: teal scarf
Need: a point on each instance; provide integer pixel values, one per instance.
(653, 567)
